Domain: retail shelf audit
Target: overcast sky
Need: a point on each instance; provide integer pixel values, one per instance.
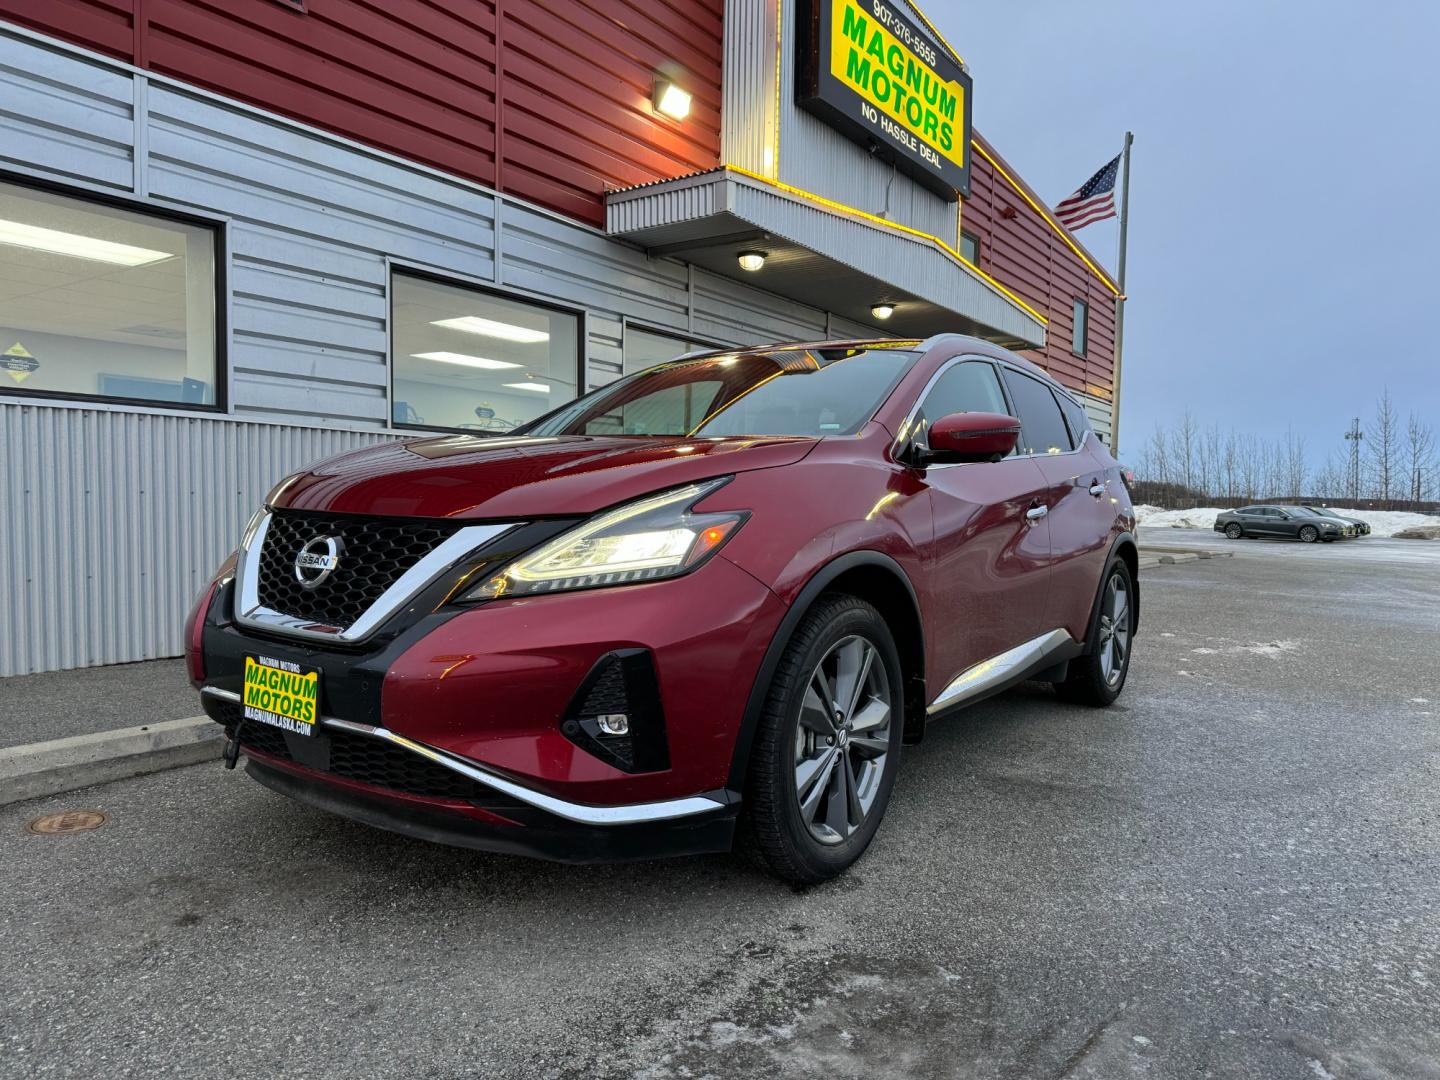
(1284, 254)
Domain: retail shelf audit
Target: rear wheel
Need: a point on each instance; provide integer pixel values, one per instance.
(1309, 534)
(1233, 531)
(1098, 677)
(828, 745)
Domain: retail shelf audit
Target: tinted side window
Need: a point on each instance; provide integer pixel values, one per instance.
(1044, 427)
(969, 387)
(1075, 417)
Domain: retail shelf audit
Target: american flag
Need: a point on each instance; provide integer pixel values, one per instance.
(1094, 201)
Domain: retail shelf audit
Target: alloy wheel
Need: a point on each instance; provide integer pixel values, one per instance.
(842, 741)
(1114, 643)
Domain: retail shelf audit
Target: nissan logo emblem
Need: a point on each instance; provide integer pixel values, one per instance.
(317, 560)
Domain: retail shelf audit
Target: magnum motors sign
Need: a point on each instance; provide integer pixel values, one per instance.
(867, 70)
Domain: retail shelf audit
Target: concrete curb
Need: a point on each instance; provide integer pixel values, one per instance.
(48, 768)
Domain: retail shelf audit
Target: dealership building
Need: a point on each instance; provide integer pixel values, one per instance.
(237, 236)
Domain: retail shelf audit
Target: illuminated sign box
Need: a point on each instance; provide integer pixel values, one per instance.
(867, 70)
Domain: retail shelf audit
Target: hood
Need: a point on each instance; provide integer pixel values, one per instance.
(473, 477)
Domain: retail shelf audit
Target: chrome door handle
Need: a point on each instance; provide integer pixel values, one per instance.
(1097, 489)
(1035, 513)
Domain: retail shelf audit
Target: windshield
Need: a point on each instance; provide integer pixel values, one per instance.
(814, 392)
(1305, 511)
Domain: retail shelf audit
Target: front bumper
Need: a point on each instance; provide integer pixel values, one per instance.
(295, 747)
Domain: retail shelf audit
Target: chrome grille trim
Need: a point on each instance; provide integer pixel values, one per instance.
(249, 611)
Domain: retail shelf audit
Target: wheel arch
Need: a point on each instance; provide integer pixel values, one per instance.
(1123, 548)
(872, 576)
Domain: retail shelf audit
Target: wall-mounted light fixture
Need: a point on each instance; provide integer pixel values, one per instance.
(752, 260)
(670, 100)
(883, 311)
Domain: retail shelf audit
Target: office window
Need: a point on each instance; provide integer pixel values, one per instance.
(476, 361)
(97, 301)
(1082, 328)
(970, 248)
(646, 348)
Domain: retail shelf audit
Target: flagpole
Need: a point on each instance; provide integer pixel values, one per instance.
(1120, 300)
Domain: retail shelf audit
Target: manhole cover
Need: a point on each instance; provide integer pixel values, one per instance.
(67, 822)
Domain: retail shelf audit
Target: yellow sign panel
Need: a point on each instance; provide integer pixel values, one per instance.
(18, 362)
(872, 61)
(281, 694)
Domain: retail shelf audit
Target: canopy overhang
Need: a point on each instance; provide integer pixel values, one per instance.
(822, 254)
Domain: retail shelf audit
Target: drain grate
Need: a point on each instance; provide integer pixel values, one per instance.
(68, 821)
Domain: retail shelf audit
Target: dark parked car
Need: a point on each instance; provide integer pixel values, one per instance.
(1288, 522)
(1362, 528)
(714, 595)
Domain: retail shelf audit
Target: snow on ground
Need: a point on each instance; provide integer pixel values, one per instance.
(1382, 522)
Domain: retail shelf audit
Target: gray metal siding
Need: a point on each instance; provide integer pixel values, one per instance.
(112, 518)
(112, 521)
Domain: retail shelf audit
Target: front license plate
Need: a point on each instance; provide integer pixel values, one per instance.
(282, 694)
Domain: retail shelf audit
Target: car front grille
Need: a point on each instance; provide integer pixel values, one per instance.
(373, 554)
(364, 759)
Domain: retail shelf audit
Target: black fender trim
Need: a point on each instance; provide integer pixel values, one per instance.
(818, 583)
(1123, 540)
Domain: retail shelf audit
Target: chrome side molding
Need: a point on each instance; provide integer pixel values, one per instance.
(250, 612)
(988, 674)
(581, 813)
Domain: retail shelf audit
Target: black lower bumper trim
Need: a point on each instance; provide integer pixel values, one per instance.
(563, 842)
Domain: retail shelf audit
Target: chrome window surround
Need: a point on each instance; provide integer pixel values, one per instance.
(250, 612)
(906, 433)
(581, 813)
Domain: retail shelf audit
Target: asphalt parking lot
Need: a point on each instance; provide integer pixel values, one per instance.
(1235, 872)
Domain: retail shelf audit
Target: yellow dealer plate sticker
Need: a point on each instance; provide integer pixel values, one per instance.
(281, 694)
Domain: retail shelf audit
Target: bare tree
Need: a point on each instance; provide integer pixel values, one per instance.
(1230, 466)
(1382, 447)
(1251, 456)
(1158, 452)
(1185, 447)
(1329, 482)
(1419, 458)
(1296, 469)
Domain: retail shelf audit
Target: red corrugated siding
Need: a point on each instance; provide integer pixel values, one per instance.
(1024, 252)
(418, 78)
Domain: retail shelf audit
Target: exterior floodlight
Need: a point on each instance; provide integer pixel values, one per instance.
(752, 260)
(671, 100)
(883, 311)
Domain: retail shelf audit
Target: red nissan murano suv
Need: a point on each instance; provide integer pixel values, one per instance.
(702, 605)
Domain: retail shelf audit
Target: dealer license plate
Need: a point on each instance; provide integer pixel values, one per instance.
(282, 694)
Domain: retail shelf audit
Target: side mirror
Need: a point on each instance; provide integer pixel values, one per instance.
(970, 436)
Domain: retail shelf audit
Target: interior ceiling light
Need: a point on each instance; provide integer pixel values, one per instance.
(752, 260)
(19, 234)
(671, 100)
(538, 387)
(464, 360)
(473, 324)
(883, 311)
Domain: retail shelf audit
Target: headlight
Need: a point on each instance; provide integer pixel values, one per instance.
(652, 538)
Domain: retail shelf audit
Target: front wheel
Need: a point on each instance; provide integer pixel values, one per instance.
(1309, 534)
(1097, 677)
(828, 745)
(1233, 531)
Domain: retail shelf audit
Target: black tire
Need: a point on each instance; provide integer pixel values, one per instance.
(1309, 534)
(1090, 679)
(1234, 531)
(773, 828)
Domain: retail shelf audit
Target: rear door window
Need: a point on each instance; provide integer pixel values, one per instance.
(1043, 425)
(1075, 419)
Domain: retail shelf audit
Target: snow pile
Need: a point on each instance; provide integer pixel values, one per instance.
(1382, 522)
(1153, 517)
